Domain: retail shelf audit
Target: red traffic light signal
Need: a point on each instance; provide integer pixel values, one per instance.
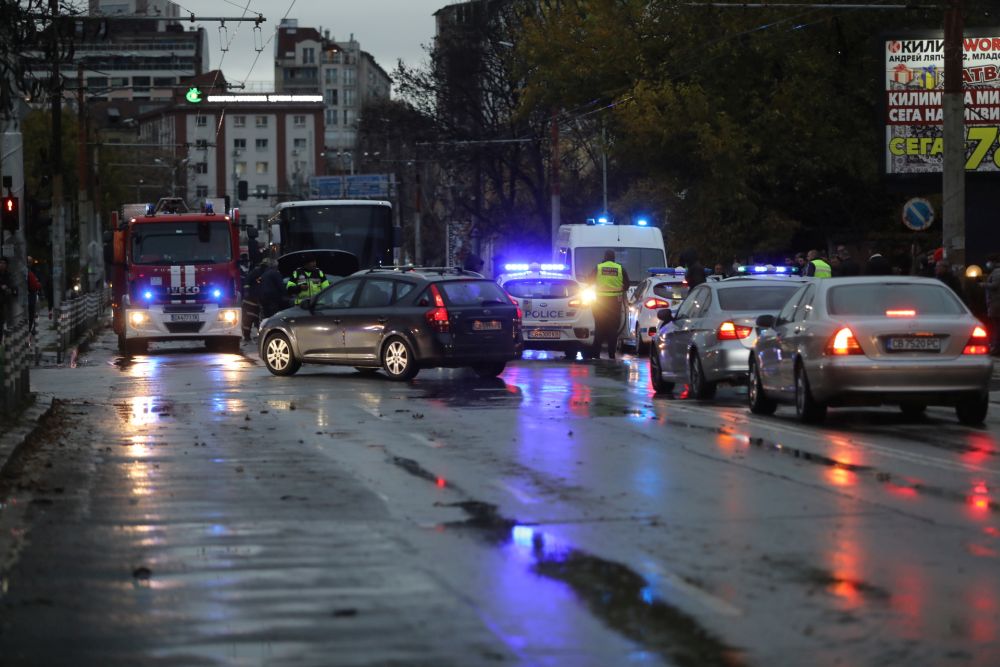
(11, 213)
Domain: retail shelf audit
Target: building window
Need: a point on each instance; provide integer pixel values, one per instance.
(201, 167)
(348, 117)
(299, 143)
(201, 144)
(163, 81)
(331, 76)
(200, 121)
(261, 190)
(261, 221)
(261, 168)
(331, 97)
(299, 121)
(201, 191)
(240, 144)
(349, 97)
(239, 121)
(308, 56)
(140, 84)
(261, 121)
(119, 82)
(331, 116)
(241, 168)
(350, 76)
(262, 144)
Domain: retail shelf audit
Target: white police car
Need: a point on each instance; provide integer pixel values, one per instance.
(664, 288)
(557, 309)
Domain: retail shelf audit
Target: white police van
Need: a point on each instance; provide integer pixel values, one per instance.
(557, 309)
(581, 248)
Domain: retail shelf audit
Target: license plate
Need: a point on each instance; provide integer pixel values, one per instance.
(914, 344)
(486, 325)
(184, 317)
(542, 333)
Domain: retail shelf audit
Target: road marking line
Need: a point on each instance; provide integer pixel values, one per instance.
(427, 442)
(372, 411)
(706, 599)
(514, 491)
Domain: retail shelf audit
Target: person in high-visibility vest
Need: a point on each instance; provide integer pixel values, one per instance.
(611, 283)
(816, 266)
(307, 281)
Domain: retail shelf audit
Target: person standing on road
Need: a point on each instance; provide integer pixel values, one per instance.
(273, 289)
(251, 300)
(848, 265)
(816, 266)
(993, 304)
(34, 287)
(8, 290)
(307, 281)
(943, 272)
(610, 283)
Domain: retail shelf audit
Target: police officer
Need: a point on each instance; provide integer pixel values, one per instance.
(307, 281)
(816, 266)
(273, 293)
(251, 300)
(610, 283)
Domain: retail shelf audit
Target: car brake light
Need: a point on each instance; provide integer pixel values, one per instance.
(520, 314)
(844, 342)
(732, 331)
(977, 342)
(438, 316)
(656, 304)
(900, 313)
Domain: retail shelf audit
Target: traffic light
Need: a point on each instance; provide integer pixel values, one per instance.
(243, 191)
(11, 213)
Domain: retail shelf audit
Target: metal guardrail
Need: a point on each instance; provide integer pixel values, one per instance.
(77, 317)
(14, 361)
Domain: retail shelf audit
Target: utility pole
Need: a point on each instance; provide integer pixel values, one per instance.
(554, 184)
(604, 166)
(953, 102)
(55, 163)
(418, 251)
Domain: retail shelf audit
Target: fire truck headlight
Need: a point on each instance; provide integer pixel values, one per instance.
(229, 316)
(138, 318)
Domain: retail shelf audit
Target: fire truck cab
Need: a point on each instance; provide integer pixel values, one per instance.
(175, 276)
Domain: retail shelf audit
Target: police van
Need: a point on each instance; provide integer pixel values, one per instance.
(637, 247)
(557, 309)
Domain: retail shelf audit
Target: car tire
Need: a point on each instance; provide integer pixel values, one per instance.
(398, 360)
(701, 388)
(660, 386)
(807, 408)
(972, 411)
(912, 409)
(278, 355)
(760, 404)
(489, 371)
(366, 370)
(134, 345)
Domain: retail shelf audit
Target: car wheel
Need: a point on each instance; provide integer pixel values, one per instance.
(759, 403)
(135, 346)
(808, 409)
(489, 371)
(701, 389)
(912, 409)
(398, 360)
(640, 347)
(366, 370)
(972, 411)
(278, 355)
(660, 386)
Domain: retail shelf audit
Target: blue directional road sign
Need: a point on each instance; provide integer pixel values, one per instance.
(918, 214)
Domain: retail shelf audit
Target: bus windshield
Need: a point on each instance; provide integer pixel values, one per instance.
(364, 230)
(634, 260)
(181, 243)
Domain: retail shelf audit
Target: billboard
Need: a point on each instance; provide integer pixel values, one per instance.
(914, 87)
(355, 186)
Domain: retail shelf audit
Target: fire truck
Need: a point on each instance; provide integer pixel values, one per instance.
(175, 276)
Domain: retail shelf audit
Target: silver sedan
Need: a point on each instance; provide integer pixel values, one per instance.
(871, 341)
(709, 339)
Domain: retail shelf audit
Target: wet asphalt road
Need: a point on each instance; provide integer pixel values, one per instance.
(187, 508)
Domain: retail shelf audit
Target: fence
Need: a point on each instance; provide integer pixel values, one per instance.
(77, 317)
(14, 361)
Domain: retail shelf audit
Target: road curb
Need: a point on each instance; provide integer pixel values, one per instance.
(18, 428)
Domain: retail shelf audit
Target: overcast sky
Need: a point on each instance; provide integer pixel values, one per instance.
(388, 29)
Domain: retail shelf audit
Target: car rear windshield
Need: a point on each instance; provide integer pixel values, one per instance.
(542, 288)
(472, 292)
(670, 290)
(759, 298)
(876, 298)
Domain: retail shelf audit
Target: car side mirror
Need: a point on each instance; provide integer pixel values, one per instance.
(665, 315)
(766, 321)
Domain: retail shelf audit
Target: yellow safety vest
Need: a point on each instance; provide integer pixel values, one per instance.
(314, 282)
(823, 269)
(610, 279)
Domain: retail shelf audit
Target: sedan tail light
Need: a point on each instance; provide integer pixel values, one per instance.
(517, 317)
(438, 316)
(977, 342)
(656, 304)
(844, 342)
(732, 331)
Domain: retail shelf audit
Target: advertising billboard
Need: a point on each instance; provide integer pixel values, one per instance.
(914, 86)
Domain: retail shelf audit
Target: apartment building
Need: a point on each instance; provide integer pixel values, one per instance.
(307, 60)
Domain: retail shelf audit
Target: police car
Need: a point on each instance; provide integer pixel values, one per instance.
(557, 309)
(664, 288)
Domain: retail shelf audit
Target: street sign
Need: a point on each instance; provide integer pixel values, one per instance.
(918, 214)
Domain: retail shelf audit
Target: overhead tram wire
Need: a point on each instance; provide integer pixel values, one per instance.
(269, 40)
(222, 58)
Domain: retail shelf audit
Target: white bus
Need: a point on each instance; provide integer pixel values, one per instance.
(637, 248)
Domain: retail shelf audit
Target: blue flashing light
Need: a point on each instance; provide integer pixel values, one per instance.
(216, 293)
(759, 269)
(148, 295)
(781, 269)
(664, 271)
(642, 222)
(603, 220)
(209, 208)
(554, 267)
(150, 209)
(516, 267)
